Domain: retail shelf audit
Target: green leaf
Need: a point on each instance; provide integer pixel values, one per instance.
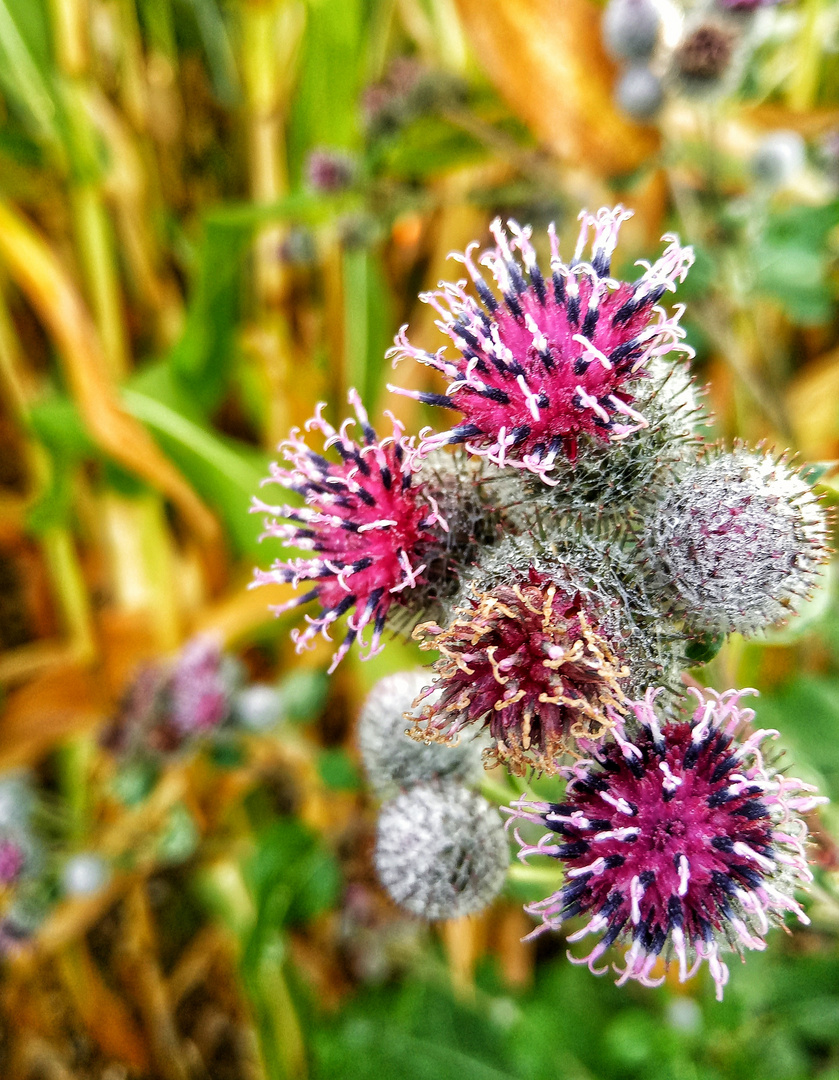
(180, 837)
(24, 57)
(215, 40)
(202, 357)
(792, 261)
(806, 712)
(292, 877)
(332, 70)
(366, 321)
(225, 473)
(703, 649)
(337, 770)
(427, 147)
(303, 694)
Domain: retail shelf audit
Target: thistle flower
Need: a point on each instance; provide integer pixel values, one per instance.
(682, 844)
(736, 543)
(370, 524)
(746, 6)
(12, 861)
(200, 693)
(539, 651)
(704, 60)
(553, 360)
(441, 851)
(329, 170)
(392, 760)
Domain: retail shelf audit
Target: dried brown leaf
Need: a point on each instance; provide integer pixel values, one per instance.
(37, 271)
(546, 58)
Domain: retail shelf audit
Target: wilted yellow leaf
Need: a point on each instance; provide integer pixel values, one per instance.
(546, 58)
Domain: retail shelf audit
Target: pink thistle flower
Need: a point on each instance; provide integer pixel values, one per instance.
(525, 660)
(12, 861)
(681, 844)
(370, 524)
(553, 360)
(200, 694)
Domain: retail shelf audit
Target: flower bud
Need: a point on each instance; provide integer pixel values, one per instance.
(441, 851)
(639, 93)
(736, 543)
(630, 29)
(392, 760)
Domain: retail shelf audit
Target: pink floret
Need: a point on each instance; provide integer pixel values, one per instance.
(366, 519)
(554, 358)
(681, 844)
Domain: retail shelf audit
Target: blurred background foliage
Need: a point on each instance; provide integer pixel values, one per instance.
(214, 213)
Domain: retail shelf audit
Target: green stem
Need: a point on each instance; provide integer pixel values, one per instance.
(95, 240)
(803, 84)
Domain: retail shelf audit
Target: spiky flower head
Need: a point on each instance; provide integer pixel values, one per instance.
(392, 760)
(441, 851)
(737, 542)
(682, 844)
(200, 691)
(541, 649)
(366, 519)
(639, 93)
(554, 359)
(631, 29)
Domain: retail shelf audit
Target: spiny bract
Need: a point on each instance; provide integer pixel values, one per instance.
(736, 543)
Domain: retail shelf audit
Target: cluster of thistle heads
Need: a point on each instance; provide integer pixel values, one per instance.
(677, 48)
(565, 547)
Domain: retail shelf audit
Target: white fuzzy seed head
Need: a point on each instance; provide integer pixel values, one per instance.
(441, 851)
(737, 543)
(631, 29)
(258, 707)
(779, 156)
(17, 800)
(392, 760)
(639, 93)
(84, 874)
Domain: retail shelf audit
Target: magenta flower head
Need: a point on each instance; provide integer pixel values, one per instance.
(199, 691)
(543, 647)
(525, 660)
(368, 522)
(555, 359)
(12, 861)
(681, 844)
